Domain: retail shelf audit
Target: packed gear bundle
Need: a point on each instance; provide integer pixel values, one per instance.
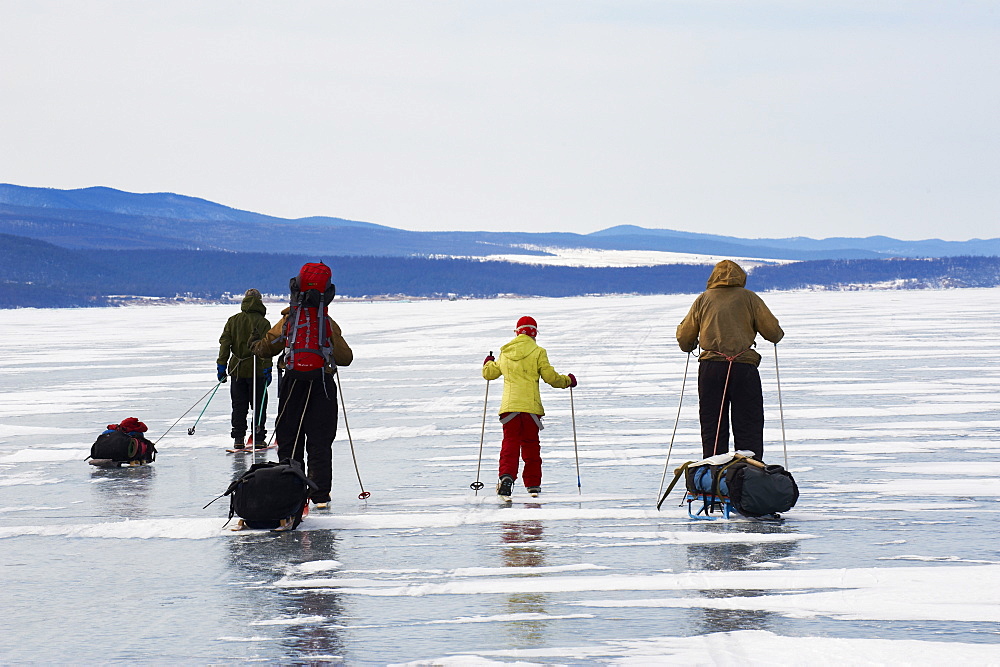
(735, 481)
(122, 444)
(271, 495)
(308, 350)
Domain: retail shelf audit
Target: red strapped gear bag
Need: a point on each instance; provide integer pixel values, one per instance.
(307, 331)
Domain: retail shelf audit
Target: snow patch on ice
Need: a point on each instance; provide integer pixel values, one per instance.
(899, 593)
(185, 529)
(313, 566)
(292, 620)
(912, 486)
(45, 455)
(740, 648)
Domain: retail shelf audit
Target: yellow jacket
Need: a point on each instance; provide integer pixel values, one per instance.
(522, 362)
(726, 318)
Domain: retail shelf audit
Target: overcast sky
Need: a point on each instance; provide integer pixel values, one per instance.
(750, 118)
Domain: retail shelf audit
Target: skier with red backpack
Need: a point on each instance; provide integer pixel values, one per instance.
(311, 347)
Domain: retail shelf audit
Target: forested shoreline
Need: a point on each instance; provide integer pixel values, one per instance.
(38, 274)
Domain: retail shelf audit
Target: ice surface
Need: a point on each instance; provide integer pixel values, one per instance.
(891, 418)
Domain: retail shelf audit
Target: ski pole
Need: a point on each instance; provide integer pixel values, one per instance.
(477, 485)
(677, 420)
(576, 453)
(781, 409)
(364, 495)
(253, 404)
(260, 416)
(191, 430)
(273, 437)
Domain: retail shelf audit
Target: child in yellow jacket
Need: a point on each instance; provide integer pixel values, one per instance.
(522, 362)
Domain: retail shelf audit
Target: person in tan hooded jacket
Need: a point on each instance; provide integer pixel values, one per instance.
(725, 320)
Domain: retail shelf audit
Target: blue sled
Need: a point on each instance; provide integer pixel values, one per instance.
(709, 503)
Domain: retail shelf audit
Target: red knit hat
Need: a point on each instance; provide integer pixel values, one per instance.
(527, 326)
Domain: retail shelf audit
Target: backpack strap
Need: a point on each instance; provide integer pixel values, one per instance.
(737, 458)
(294, 324)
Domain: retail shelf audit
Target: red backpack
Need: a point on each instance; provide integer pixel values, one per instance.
(307, 330)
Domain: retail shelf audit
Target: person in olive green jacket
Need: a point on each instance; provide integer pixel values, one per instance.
(237, 361)
(725, 320)
(522, 362)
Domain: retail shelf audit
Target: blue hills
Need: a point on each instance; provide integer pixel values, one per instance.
(101, 217)
(79, 247)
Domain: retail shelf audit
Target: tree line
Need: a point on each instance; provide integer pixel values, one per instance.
(38, 274)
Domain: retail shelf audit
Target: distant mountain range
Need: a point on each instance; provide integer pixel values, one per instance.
(100, 217)
(87, 247)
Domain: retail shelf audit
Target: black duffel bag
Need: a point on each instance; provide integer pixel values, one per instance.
(119, 447)
(757, 490)
(270, 495)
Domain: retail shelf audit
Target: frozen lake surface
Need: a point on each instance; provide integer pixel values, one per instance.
(891, 556)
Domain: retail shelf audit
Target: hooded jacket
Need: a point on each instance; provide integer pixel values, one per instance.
(234, 343)
(522, 362)
(273, 342)
(726, 318)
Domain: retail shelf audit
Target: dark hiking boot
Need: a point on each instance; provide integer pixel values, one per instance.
(533, 491)
(505, 486)
(238, 443)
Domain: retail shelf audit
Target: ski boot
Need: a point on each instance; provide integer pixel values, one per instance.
(505, 487)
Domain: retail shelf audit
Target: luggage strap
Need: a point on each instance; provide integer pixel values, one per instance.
(725, 390)
(737, 458)
(677, 475)
(733, 358)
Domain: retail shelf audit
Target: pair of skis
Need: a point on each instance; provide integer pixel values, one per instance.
(251, 450)
(507, 499)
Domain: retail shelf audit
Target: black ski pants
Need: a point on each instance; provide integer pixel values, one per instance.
(306, 427)
(240, 390)
(743, 406)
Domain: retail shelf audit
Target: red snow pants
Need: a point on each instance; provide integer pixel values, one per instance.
(520, 440)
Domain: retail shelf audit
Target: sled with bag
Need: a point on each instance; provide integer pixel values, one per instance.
(735, 482)
(122, 444)
(271, 495)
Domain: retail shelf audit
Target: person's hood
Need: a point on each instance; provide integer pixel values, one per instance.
(727, 273)
(252, 303)
(520, 347)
